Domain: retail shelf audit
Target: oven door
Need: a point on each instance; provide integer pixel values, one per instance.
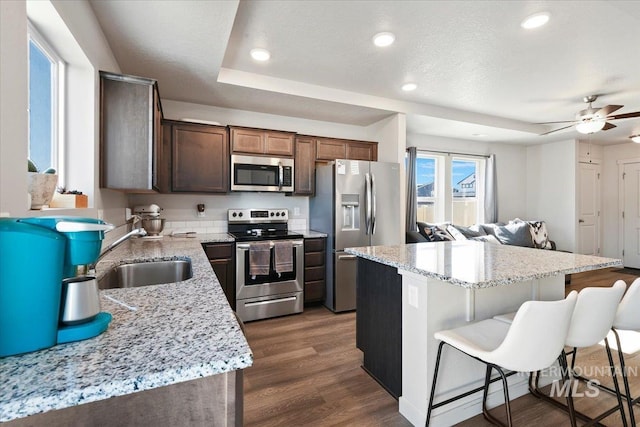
(271, 284)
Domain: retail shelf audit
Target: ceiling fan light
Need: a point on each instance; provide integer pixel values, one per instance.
(384, 39)
(635, 138)
(590, 126)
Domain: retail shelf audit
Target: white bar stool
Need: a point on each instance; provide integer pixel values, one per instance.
(591, 321)
(532, 342)
(628, 319)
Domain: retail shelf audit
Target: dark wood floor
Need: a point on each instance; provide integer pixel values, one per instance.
(307, 372)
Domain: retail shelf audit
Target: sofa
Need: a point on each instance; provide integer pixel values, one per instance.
(531, 234)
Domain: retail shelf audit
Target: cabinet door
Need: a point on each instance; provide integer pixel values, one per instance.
(247, 141)
(224, 272)
(127, 119)
(200, 160)
(279, 143)
(314, 270)
(362, 151)
(305, 166)
(330, 149)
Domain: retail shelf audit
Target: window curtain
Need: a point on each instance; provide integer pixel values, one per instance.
(491, 191)
(412, 200)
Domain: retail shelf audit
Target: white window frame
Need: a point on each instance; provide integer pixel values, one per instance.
(443, 199)
(57, 99)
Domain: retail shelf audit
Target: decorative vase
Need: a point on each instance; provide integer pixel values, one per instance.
(41, 187)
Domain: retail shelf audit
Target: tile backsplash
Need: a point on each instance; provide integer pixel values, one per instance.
(216, 226)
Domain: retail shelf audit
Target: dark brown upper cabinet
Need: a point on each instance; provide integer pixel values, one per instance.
(130, 133)
(305, 166)
(332, 148)
(261, 141)
(200, 158)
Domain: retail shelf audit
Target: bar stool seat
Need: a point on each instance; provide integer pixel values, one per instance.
(532, 342)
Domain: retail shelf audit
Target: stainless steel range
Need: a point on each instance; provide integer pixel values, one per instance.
(274, 293)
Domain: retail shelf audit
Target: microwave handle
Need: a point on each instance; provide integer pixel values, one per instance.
(280, 175)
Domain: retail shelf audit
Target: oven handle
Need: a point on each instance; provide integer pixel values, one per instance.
(271, 301)
(245, 246)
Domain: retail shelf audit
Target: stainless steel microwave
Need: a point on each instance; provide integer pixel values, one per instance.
(255, 173)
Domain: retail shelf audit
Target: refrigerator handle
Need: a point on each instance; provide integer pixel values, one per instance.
(373, 204)
(367, 196)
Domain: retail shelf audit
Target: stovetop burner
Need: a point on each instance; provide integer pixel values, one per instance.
(260, 224)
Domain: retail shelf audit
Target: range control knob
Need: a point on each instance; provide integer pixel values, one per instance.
(234, 214)
(240, 214)
(282, 213)
(272, 214)
(277, 213)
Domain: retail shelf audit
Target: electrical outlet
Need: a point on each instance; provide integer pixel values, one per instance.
(127, 214)
(100, 214)
(296, 211)
(413, 296)
(201, 214)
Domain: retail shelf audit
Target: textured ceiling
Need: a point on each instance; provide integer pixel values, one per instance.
(477, 71)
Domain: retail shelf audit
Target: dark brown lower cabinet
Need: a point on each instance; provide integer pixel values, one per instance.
(379, 323)
(314, 270)
(223, 261)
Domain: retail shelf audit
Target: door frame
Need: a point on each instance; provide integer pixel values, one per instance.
(621, 164)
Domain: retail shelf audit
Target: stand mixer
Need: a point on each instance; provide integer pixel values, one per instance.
(150, 219)
(46, 298)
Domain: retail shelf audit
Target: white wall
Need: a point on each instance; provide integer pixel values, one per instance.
(610, 194)
(551, 172)
(13, 107)
(511, 166)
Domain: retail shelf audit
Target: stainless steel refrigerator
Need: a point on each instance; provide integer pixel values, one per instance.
(357, 203)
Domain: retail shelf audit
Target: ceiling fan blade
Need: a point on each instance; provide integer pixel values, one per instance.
(608, 126)
(556, 130)
(605, 111)
(624, 116)
(553, 123)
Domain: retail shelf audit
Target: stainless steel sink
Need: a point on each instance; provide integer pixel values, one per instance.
(146, 273)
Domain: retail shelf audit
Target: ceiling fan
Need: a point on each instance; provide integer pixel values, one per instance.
(592, 120)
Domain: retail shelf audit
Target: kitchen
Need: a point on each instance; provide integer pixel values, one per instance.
(181, 210)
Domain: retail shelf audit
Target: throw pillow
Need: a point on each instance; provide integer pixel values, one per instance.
(455, 233)
(515, 233)
(539, 234)
(437, 234)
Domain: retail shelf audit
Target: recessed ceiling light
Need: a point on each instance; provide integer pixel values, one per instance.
(408, 87)
(260, 54)
(635, 138)
(535, 21)
(383, 39)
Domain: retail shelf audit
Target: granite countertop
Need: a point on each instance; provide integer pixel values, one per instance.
(159, 335)
(473, 264)
(310, 234)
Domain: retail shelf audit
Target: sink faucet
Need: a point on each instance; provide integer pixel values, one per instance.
(135, 232)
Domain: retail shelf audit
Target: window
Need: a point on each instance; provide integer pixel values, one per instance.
(450, 188)
(45, 77)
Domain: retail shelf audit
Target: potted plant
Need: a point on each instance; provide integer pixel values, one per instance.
(41, 185)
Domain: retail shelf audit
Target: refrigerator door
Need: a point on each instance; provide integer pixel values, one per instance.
(387, 223)
(345, 284)
(350, 204)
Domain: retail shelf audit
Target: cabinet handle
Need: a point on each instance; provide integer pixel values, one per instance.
(347, 257)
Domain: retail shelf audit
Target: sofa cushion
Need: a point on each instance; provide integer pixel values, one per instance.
(414, 237)
(486, 238)
(453, 231)
(515, 233)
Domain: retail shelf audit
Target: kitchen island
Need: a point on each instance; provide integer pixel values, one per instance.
(406, 293)
(172, 355)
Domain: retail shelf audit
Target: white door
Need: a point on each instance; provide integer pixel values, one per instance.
(631, 215)
(589, 214)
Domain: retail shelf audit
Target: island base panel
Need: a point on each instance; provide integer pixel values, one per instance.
(214, 401)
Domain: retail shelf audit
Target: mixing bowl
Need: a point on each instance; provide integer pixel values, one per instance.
(153, 226)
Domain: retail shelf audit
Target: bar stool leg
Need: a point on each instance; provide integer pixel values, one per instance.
(433, 386)
(616, 385)
(567, 378)
(505, 387)
(625, 379)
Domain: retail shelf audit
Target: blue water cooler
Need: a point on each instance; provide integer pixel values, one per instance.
(35, 257)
